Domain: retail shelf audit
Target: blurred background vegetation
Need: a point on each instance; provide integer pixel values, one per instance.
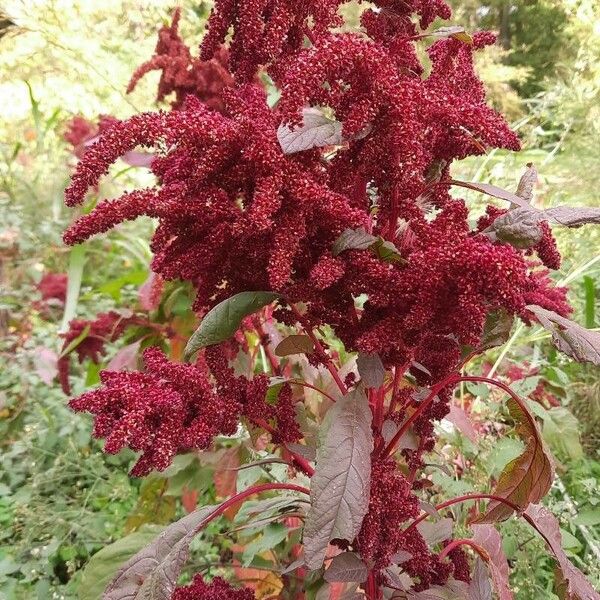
(61, 499)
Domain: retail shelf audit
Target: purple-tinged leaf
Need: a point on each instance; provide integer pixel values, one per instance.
(435, 532)
(528, 477)
(398, 579)
(462, 421)
(577, 586)
(370, 369)
(401, 557)
(489, 539)
(496, 330)
(453, 590)
(571, 216)
(353, 239)
(125, 358)
(299, 562)
(480, 587)
(527, 182)
(45, 364)
(408, 440)
(346, 567)
(492, 190)
(316, 131)
(341, 483)
(519, 227)
(574, 340)
(294, 344)
(152, 573)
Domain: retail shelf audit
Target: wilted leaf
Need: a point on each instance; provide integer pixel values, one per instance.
(480, 587)
(346, 567)
(489, 539)
(453, 31)
(152, 573)
(370, 369)
(577, 586)
(294, 344)
(340, 485)
(461, 420)
(527, 183)
(353, 239)
(102, 567)
(569, 337)
(222, 321)
(519, 227)
(316, 131)
(437, 531)
(527, 478)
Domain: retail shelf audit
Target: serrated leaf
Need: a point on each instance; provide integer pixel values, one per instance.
(340, 485)
(453, 31)
(577, 586)
(489, 539)
(294, 344)
(152, 573)
(346, 567)
(574, 340)
(353, 239)
(370, 369)
(527, 182)
(480, 587)
(527, 478)
(316, 131)
(435, 532)
(222, 321)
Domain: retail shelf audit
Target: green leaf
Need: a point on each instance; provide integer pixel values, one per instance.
(272, 534)
(222, 321)
(561, 431)
(75, 273)
(590, 302)
(104, 564)
(588, 517)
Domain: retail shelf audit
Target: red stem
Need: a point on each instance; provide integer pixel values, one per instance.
(273, 361)
(449, 380)
(464, 542)
(319, 348)
(465, 498)
(508, 390)
(398, 374)
(257, 489)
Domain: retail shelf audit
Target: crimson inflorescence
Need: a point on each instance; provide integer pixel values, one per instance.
(237, 213)
(217, 589)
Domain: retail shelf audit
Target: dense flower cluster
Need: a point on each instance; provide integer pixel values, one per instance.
(106, 327)
(217, 589)
(237, 212)
(183, 74)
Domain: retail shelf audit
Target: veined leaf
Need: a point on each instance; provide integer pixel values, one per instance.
(489, 539)
(353, 239)
(492, 190)
(340, 485)
(577, 586)
(480, 587)
(453, 590)
(496, 330)
(574, 340)
(316, 131)
(370, 369)
(222, 321)
(435, 532)
(527, 478)
(152, 573)
(347, 567)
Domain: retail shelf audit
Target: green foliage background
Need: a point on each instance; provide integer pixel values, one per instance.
(61, 499)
